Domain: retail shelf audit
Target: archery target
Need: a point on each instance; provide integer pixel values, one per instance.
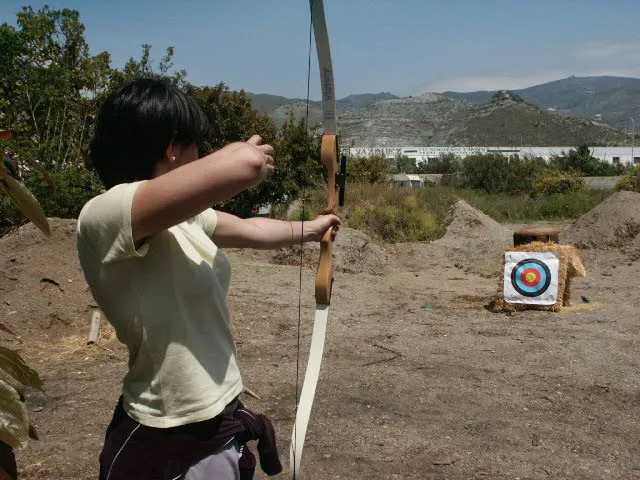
(531, 278)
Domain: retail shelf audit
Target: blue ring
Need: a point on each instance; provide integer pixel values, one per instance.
(525, 290)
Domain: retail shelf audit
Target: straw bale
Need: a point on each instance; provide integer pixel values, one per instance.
(570, 266)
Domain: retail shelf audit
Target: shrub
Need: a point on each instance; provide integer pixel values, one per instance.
(75, 186)
(524, 208)
(446, 163)
(495, 173)
(630, 182)
(582, 161)
(370, 170)
(393, 214)
(557, 182)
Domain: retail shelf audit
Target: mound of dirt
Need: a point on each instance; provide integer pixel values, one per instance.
(42, 286)
(353, 252)
(613, 223)
(472, 230)
(473, 242)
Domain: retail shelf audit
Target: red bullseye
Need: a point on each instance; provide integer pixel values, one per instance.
(530, 277)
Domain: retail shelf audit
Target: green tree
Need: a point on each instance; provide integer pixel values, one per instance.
(371, 170)
(484, 172)
(503, 95)
(447, 163)
(495, 173)
(582, 161)
(46, 86)
(630, 182)
(404, 164)
(234, 119)
(298, 166)
(144, 68)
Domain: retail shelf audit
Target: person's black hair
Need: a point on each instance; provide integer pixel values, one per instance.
(135, 126)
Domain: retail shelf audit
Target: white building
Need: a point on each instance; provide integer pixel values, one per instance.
(614, 155)
(408, 180)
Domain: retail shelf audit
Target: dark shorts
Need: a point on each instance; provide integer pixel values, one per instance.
(132, 450)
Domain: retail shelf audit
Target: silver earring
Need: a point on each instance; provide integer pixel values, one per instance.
(173, 158)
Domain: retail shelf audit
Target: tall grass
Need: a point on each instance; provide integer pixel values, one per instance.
(398, 214)
(393, 214)
(523, 208)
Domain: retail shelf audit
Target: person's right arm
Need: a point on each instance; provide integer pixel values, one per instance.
(183, 192)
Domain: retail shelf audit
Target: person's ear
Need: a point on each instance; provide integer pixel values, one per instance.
(171, 153)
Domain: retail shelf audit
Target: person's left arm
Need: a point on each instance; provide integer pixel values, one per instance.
(267, 233)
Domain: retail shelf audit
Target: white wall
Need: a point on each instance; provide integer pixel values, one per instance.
(422, 154)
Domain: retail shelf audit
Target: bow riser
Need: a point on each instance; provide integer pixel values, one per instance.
(324, 277)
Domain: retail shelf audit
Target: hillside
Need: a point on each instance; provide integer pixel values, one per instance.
(278, 107)
(453, 119)
(610, 100)
(436, 119)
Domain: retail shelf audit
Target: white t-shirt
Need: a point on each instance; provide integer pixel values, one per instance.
(167, 301)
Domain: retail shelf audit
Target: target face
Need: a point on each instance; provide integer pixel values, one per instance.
(531, 278)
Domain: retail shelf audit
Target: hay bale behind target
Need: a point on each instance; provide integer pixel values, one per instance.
(570, 266)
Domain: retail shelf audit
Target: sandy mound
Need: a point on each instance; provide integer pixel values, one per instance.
(353, 252)
(472, 230)
(42, 286)
(474, 241)
(613, 223)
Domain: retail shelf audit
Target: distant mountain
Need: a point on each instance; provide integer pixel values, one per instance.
(278, 107)
(263, 102)
(472, 119)
(438, 120)
(610, 100)
(362, 100)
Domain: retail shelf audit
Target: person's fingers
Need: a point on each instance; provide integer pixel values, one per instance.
(255, 140)
(266, 149)
(270, 162)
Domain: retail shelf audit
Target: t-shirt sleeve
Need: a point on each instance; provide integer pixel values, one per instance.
(104, 225)
(207, 220)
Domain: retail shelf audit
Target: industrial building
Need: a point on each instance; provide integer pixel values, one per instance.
(622, 155)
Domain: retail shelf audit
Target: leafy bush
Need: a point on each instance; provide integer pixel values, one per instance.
(393, 214)
(557, 182)
(446, 163)
(495, 173)
(372, 170)
(401, 223)
(630, 182)
(580, 160)
(404, 164)
(75, 186)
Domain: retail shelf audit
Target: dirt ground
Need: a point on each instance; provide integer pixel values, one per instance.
(419, 380)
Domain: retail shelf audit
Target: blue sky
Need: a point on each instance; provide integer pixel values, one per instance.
(405, 47)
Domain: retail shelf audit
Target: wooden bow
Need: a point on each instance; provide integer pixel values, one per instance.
(324, 278)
